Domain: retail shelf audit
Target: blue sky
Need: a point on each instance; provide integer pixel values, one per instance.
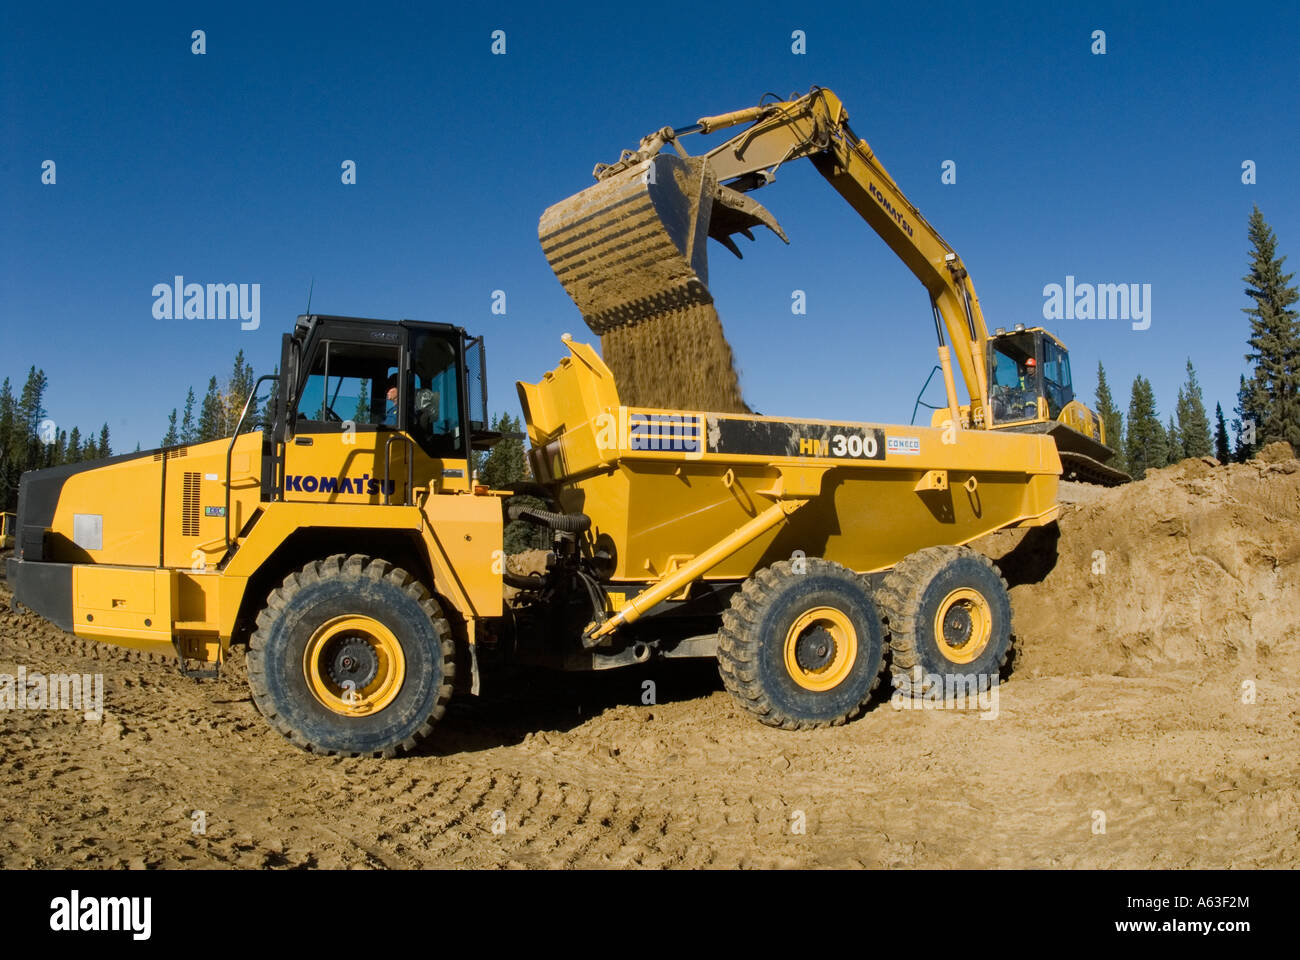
(225, 167)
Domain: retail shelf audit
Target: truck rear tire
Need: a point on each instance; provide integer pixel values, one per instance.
(949, 614)
(352, 657)
(802, 647)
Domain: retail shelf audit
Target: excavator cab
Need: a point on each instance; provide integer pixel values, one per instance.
(1029, 376)
(1031, 391)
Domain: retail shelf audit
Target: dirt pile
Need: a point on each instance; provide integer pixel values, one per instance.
(1195, 564)
(678, 359)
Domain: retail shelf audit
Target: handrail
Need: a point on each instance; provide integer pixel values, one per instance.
(919, 401)
(230, 450)
(410, 466)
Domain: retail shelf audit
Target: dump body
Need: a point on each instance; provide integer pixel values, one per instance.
(662, 486)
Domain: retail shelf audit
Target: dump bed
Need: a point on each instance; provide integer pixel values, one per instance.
(663, 486)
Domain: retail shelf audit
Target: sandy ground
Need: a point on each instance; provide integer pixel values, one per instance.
(1118, 741)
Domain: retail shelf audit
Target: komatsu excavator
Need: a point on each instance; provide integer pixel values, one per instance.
(633, 246)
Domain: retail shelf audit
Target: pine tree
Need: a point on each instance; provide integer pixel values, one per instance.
(267, 418)
(362, 412)
(1244, 424)
(61, 448)
(171, 437)
(8, 418)
(25, 439)
(1273, 391)
(503, 467)
(1193, 424)
(1173, 441)
(104, 450)
(1146, 441)
(189, 432)
(10, 466)
(1111, 418)
(74, 453)
(238, 388)
(211, 415)
(30, 409)
(1221, 450)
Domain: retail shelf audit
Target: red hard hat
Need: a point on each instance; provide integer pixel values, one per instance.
(1031, 362)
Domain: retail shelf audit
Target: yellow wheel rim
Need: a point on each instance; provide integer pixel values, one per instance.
(821, 647)
(963, 625)
(354, 665)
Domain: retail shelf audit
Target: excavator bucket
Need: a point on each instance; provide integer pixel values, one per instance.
(633, 245)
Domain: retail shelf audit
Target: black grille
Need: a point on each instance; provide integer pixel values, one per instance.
(190, 506)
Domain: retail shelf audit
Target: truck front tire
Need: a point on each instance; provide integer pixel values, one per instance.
(352, 657)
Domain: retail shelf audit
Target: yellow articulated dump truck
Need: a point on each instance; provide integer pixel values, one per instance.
(346, 542)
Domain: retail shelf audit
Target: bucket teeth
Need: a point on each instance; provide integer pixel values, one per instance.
(736, 212)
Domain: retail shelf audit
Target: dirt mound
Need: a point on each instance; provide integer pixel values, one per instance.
(678, 359)
(1196, 563)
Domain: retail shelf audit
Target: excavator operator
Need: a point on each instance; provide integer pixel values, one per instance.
(1019, 400)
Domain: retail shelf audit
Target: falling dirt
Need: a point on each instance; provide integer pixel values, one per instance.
(678, 359)
(1150, 721)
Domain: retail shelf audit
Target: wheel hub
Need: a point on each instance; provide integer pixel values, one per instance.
(815, 649)
(963, 625)
(351, 663)
(957, 626)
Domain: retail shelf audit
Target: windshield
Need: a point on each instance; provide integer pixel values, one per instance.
(1013, 378)
(351, 382)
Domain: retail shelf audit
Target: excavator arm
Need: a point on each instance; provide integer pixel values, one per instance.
(816, 126)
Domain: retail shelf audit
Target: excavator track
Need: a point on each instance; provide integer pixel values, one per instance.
(1080, 467)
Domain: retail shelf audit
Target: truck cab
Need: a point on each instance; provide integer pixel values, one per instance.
(348, 447)
(407, 402)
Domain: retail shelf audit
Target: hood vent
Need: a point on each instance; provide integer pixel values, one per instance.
(190, 505)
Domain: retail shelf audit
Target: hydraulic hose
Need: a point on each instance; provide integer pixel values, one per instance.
(564, 522)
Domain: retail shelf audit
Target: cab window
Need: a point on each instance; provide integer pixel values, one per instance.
(1013, 380)
(354, 382)
(1056, 378)
(436, 396)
